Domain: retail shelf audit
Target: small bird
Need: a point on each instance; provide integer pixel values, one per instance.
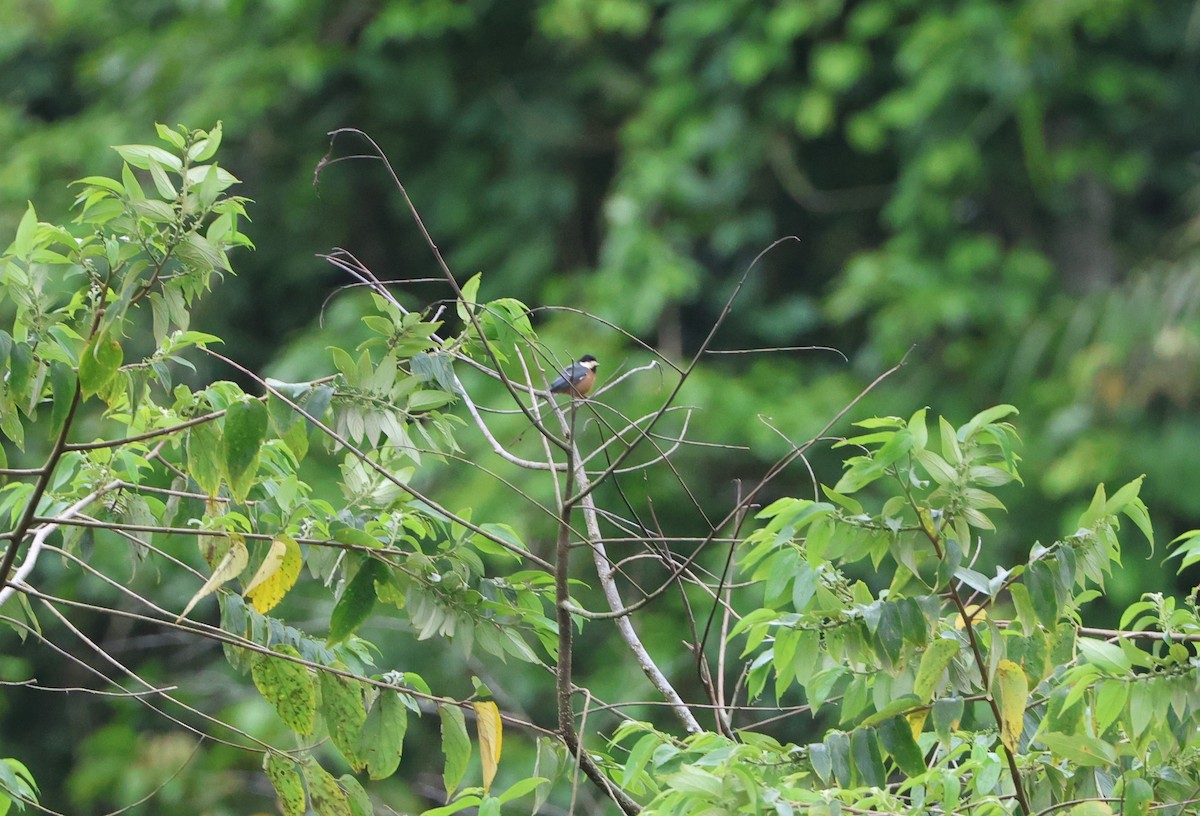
(578, 379)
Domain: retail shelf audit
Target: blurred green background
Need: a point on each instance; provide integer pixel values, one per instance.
(1007, 192)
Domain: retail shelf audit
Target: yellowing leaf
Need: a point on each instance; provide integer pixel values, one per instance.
(328, 799)
(276, 575)
(342, 707)
(288, 686)
(916, 721)
(934, 661)
(1012, 692)
(975, 612)
(286, 782)
(230, 567)
(1091, 809)
(491, 735)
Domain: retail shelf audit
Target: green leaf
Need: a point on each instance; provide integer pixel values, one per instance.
(163, 184)
(142, 156)
(381, 742)
(947, 715)
(203, 457)
(985, 417)
(822, 763)
(22, 245)
(285, 779)
(20, 372)
(99, 363)
(245, 427)
(897, 739)
(521, 787)
(1187, 547)
(988, 775)
(357, 601)
(1040, 581)
(342, 708)
(112, 185)
(62, 390)
(1079, 748)
(174, 137)
(427, 400)
(470, 292)
(839, 757)
(919, 430)
(460, 804)
(205, 149)
(938, 468)
(1146, 705)
(1137, 798)
(456, 745)
(1137, 512)
(16, 781)
(867, 469)
(639, 755)
(1106, 656)
(900, 704)
(360, 802)
(436, 367)
(133, 189)
(851, 506)
(327, 798)
(951, 451)
(503, 532)
(551, 759)
(1111, 696)
(287, 686)
(804, 586)
(864, 748)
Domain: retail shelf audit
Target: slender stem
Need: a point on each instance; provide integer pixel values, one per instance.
(142, 437)
(564, 688)
(562, 605)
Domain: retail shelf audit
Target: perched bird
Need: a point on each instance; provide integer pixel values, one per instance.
(578, 378)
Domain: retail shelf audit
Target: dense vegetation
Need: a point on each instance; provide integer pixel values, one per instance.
(998, 194)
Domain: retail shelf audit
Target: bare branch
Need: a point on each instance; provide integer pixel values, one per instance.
(39, 539)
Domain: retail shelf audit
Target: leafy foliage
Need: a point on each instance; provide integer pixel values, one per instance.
(1028, 712)
(863, 622)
